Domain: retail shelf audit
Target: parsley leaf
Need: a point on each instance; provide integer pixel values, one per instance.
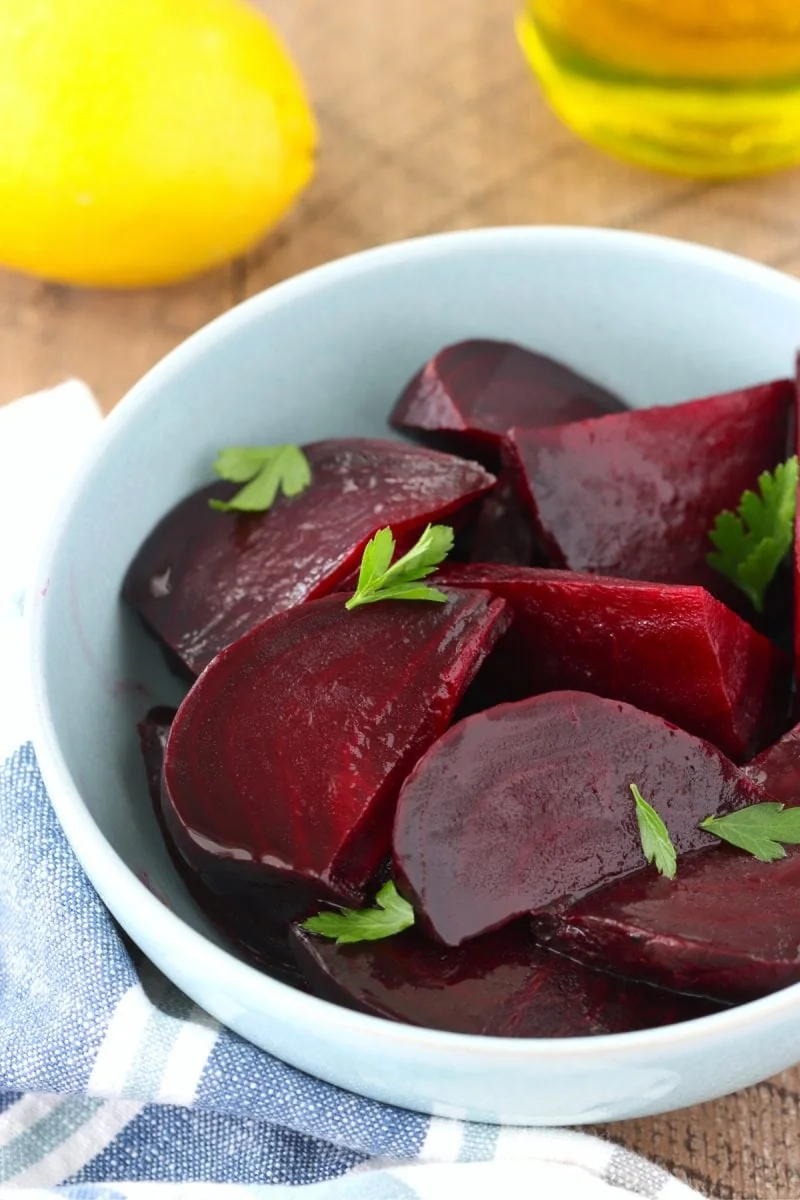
(265, 470)
(378, 580)
(392, 914)
(759, 829)
(656, 843)
(752, 542)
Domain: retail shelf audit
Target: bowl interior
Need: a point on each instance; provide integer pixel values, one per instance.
(326, 354)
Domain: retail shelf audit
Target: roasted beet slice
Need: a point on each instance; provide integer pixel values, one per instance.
(634, 494)
(502, 985)
(249, 913)
(674, 651)
(284, 762)
(203, 578)
(777, 769)
(727, 926)
(471, 393)
(528, 804)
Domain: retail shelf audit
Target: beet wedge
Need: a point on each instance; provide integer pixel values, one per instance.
(284, 762)
(251, 913)
(529, 804)
(674, 651)
(635, 494)
(777, 769)
(204, 578)
(727, 926)
(253, 917)
(471, 393)
(502, 985)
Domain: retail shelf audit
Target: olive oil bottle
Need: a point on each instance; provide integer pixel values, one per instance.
(705, 88)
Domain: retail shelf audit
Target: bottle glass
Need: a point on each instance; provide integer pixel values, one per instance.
(700, 87)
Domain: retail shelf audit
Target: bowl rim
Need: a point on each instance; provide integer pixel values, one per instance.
(129, 899)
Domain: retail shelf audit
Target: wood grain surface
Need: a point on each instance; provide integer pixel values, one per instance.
(430, 121)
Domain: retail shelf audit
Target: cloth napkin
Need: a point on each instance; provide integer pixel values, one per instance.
(112, 1083)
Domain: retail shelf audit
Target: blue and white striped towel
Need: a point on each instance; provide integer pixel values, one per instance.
(112, 1083)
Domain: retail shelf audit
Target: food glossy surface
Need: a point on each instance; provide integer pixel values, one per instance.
(284, 761)
(502, 985)
(529, 804)
(634, 494)
(674, 651)
(727, 926)
(470, 394)
(777, 769)
(204, 578)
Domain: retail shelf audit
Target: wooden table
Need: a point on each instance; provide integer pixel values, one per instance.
(430, 121)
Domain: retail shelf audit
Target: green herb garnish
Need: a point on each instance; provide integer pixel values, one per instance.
(391, 915)
(656, 842)
(759, 829)
(380, 579)
(265, 470)
(752, 542)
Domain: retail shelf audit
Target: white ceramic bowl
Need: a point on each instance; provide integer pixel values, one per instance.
(326, 354)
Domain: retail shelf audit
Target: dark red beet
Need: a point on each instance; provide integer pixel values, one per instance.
(504, 532)
(727, 926)
(529, 804)
(777, 769)
(501, 985)
(203, 578)
(470, 394)
(777, 620)
(634, 494)
(283, 764)
(153, 732)
(671, 650)
(252, 916)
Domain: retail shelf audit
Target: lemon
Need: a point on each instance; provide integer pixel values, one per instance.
(143, 141)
